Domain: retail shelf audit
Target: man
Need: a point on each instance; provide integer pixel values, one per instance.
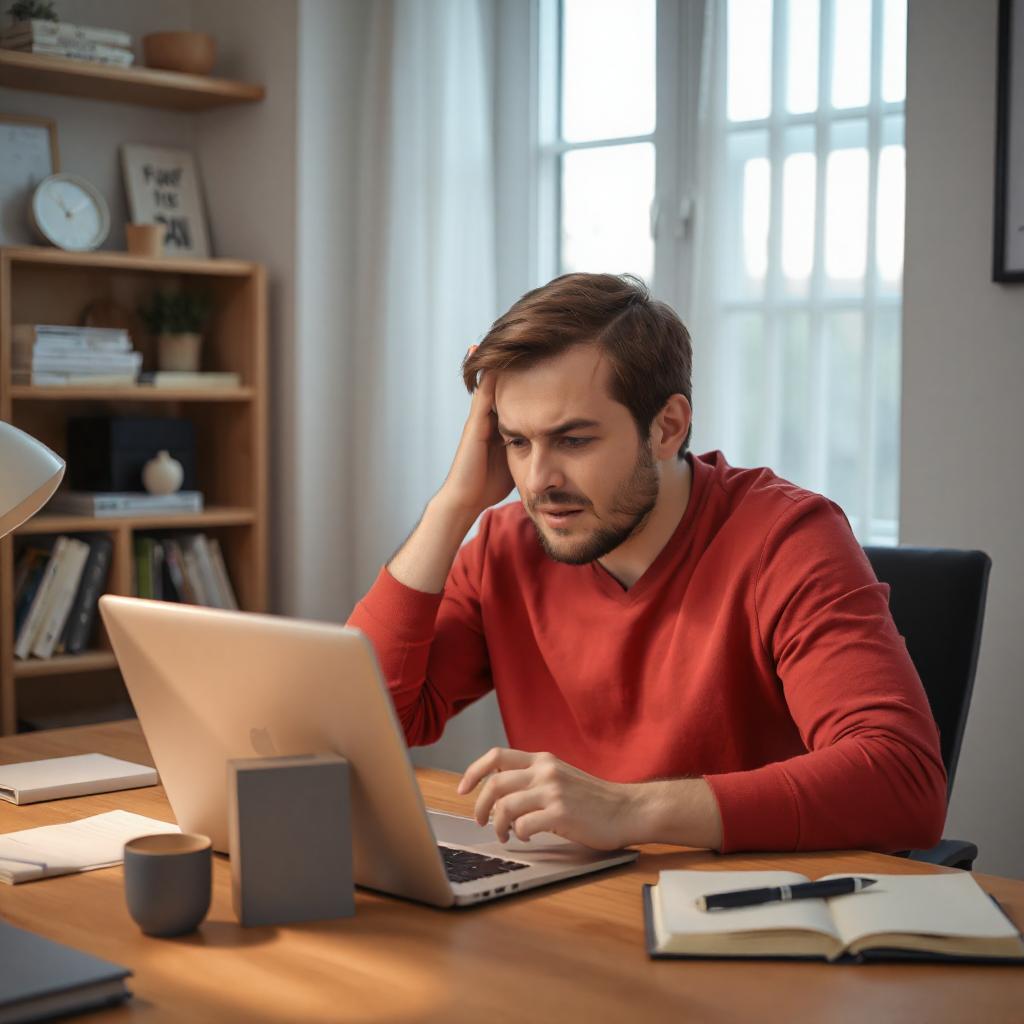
(683, 652)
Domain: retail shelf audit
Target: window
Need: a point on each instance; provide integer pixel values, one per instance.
(793, 161)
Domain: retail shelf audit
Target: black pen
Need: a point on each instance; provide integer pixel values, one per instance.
(806, 891)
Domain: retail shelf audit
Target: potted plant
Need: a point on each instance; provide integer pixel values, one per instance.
(33, 10)
(177, 320)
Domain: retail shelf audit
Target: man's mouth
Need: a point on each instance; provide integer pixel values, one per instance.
(560, 516)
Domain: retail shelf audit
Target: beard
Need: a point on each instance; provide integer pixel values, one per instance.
(631, 505)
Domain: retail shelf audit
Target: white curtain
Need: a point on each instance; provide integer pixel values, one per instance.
(425, 279)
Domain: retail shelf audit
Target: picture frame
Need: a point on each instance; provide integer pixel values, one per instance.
(163, 187)
(1008, 221)
(28, 154)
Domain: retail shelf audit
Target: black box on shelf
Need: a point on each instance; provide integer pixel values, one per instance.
(107, 453)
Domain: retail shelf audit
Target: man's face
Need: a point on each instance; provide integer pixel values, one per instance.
(586, 480)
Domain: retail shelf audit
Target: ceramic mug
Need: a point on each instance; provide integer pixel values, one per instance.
(167, 882)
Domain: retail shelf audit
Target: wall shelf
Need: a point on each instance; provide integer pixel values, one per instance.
(170, 90)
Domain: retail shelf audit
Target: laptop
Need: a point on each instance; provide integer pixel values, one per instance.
(211, 685)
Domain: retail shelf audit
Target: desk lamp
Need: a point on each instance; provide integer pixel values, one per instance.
(29, 474)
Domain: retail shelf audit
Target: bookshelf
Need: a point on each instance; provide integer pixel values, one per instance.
(170, 90)
(41, 285)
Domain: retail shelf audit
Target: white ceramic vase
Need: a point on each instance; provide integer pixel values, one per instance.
(162, 474)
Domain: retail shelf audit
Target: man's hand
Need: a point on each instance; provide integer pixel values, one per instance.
(531, 793)
(478, 479)
(479, 475)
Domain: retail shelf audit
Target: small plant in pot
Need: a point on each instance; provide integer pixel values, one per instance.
(33, 10)
(177, 320)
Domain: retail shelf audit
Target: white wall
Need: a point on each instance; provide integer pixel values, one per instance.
(963, 393)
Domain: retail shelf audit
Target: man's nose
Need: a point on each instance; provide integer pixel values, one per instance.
(544, 473)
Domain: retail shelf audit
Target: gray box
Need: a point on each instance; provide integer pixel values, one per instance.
(290, 838)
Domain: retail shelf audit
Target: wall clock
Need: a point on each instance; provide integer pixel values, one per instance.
(70, 213)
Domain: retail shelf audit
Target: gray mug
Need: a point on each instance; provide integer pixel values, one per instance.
(167, 882)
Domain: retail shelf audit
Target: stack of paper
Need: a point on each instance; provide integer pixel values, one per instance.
(83, 845)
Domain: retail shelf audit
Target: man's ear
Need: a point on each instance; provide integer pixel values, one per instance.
(670, 427)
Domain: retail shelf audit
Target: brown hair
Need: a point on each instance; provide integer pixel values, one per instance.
(645, 341)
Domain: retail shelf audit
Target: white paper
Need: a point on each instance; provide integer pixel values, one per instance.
(919, 905)
(94, 842)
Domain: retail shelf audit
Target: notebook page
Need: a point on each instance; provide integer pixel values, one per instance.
(919, 904)
(678, 891)
(94, 842)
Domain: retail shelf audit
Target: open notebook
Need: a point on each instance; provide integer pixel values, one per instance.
(939, 916)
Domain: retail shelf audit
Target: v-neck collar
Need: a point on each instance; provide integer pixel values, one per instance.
(672, 553)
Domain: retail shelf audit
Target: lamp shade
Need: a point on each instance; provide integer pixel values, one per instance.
(29, 474)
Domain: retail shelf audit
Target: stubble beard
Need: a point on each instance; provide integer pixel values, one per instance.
(631, 506)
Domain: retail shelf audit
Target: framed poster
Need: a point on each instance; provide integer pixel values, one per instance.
(1008, 233)
(28, 153)
(163, 188)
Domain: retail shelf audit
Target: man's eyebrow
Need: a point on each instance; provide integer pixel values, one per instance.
(561, 428)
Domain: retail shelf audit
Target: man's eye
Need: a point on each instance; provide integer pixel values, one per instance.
(515, 442)
(576, 442)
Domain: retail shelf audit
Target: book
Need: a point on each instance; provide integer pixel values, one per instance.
(31, 567)
(144, 567)
(935, 916)
(82, 845)
(60, 338)
(36, 614)
(82, 617)
(55, 778)
(187, 379)
(196, 580)
(174, 563)
(93, 380)
(94, 52)
(40, 978)
(123, 503)
(65, 585)
(64, 32)
(220, 572)
(80, 362)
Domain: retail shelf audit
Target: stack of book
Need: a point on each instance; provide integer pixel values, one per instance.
(188, 568)
(57, 589)
(60, 39)
(56, 354)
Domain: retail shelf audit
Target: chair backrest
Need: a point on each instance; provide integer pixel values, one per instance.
(937, 598)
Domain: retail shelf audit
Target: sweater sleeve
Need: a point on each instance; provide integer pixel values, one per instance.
(430, 647)
(872, 777)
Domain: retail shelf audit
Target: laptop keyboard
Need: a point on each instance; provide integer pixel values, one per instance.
(466, 866)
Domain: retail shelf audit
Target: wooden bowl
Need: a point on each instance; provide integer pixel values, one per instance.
(193, 53)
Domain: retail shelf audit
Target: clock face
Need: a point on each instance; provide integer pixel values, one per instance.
(70, 213)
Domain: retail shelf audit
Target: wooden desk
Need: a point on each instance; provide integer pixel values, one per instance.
(571, 952)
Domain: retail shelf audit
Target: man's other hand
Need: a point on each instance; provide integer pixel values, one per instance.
(479, 476)
(531, 793)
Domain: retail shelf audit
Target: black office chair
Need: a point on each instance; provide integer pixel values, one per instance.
(937, 597)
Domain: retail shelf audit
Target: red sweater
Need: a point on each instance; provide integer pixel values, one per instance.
(757, 651)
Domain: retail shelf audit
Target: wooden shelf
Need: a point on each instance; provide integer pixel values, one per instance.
(63, 664)
(146, 87)
(137, 393)
(215, 516)
(101, 259)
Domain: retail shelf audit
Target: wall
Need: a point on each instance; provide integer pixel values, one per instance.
(963, 373)
(89, 132)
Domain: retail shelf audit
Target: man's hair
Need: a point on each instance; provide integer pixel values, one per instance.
(644, 340)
